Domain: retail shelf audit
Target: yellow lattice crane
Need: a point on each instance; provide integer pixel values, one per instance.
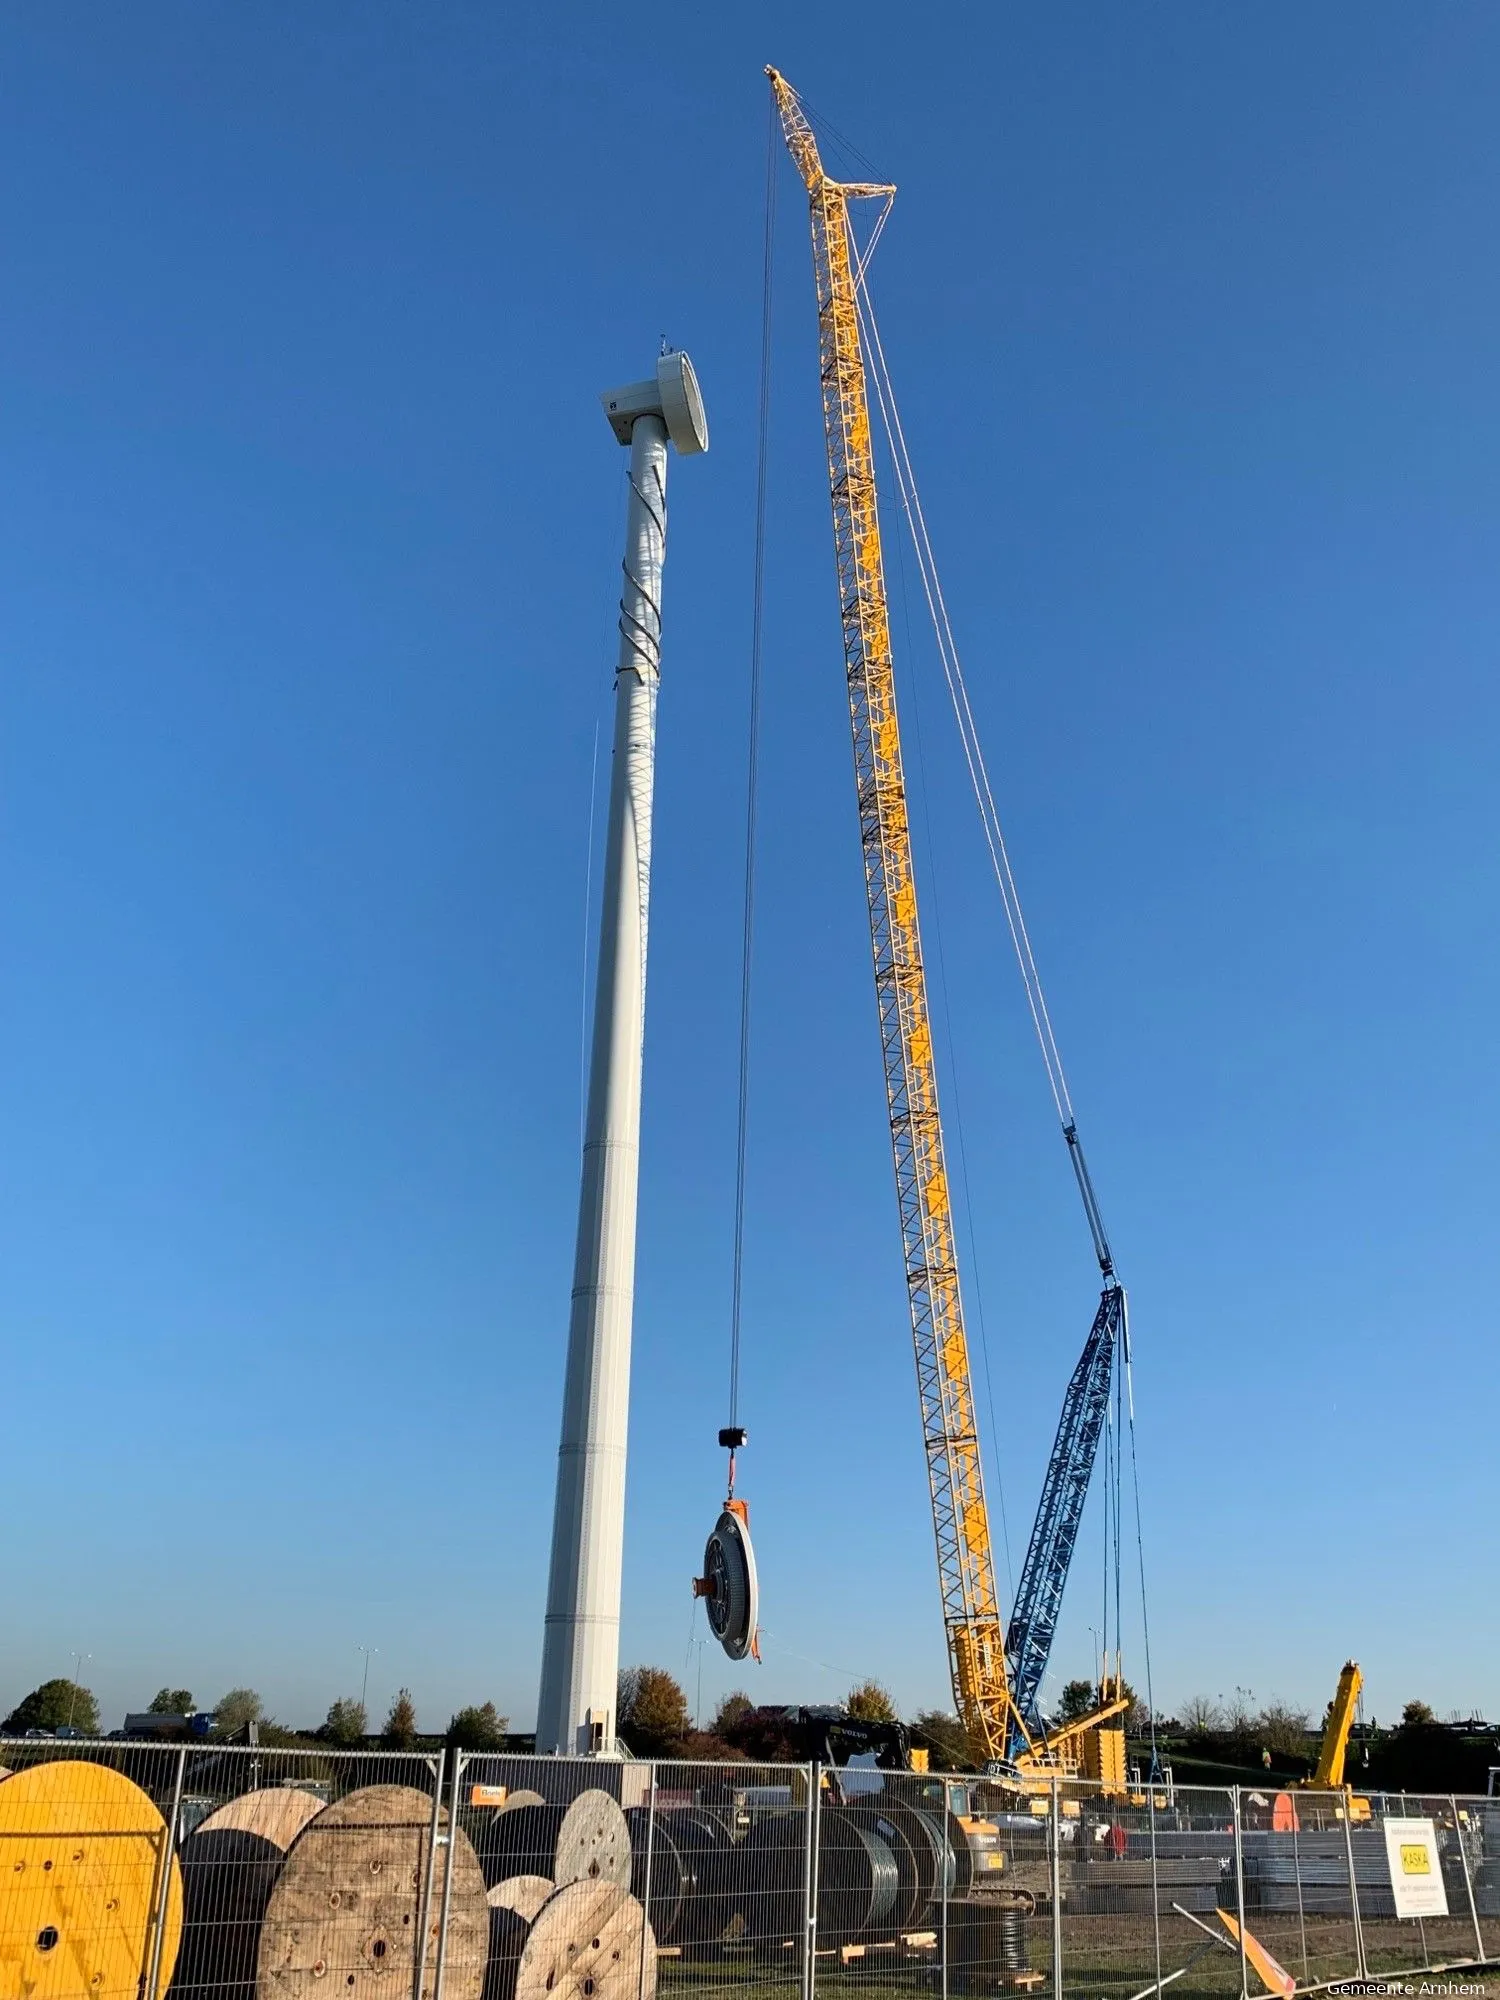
(966, 1565)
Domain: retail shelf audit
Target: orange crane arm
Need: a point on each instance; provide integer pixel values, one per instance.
(966, 1567)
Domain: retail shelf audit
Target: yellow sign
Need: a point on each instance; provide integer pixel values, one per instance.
(1415, 1860)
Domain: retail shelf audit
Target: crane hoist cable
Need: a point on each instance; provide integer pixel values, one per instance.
(729, 1583)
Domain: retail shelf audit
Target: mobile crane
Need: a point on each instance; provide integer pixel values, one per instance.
(996, 1668)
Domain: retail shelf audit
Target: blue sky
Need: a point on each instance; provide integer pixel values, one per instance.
(308, 537)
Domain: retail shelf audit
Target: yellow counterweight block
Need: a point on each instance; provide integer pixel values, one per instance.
(86, 1880)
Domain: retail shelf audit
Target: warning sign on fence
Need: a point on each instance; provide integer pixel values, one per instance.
(1411, 1848)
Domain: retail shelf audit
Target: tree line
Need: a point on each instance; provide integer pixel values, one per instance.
(67, 1706)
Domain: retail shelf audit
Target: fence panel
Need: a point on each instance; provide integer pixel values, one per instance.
(1299, 1898)
(217, 1872)
(1422, 1844)
(1141, 1881)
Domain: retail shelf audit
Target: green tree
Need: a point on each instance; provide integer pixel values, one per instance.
(652, 1711)
(59, 1704)
(869, 1702)
(1201, 1715)
(1077, 1699)
(171, 1701)
(345, 1722)
(481, 1728)
(400, 1731)
(1080, 1698)
(730, 1715)
(1417, 1715)
(947, 1743)
(237, 1708)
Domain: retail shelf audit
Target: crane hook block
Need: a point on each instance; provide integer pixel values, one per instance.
(728, 1584)
(733, 1439)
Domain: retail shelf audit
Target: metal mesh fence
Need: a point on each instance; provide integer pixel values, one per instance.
(143, 1872)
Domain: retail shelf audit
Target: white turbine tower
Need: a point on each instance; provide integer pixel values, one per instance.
(581, 1646)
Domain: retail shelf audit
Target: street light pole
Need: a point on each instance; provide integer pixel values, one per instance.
(79, 1661)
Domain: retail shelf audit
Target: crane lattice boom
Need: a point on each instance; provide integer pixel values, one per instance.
(971, 1611)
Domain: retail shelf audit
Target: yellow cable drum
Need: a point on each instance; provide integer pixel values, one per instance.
(87, 1877)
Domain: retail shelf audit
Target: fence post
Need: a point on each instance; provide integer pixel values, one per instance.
(459, 1761)
(164, 1879)
(1057, 1944)
(1359, 1929)
(646, 1885)
(1301, 1904)
(943, 1868)
(1239, 1887)
(425, 1908)
(810, 1884)
(1155, 1883)
(1458, 1834)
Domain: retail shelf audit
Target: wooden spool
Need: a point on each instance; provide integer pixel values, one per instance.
(82, 1855)
(587, 1841)
(229, 1868)
(343, 1919)
(524, 1895)
(515, 1905)
(522, 1799)
(587, 1943)
(277, 1814)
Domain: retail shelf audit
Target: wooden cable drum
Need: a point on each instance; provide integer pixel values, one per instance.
(521, 1799)
(687, 1899)
(586, 1841)
(343, 1918)
(229, 1868)
(522, 1894)
(276, 1814)
(515, 1904)
(89, 1882)
(590, 1941)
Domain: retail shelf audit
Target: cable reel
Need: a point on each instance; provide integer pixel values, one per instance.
(728, 1586)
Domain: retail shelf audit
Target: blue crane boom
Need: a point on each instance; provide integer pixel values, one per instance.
(1054, 1532)
(1044, 1574)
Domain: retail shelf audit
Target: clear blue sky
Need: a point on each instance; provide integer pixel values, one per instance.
(309, 522)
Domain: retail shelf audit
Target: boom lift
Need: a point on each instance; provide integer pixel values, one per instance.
(996, 1669)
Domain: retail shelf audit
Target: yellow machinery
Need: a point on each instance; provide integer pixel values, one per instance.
(1334, 1750)
(1329, 1775)
(976, 1634)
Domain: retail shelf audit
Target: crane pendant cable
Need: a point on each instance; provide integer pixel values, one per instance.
(979, 779)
